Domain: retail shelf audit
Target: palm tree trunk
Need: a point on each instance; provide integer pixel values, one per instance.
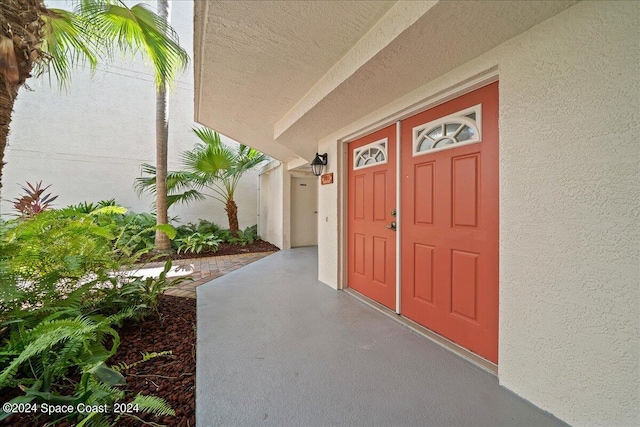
(20, 37)
(232, 214)
(6, 111)
(162, 243)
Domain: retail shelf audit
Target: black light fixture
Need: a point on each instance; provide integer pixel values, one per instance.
(318, 164)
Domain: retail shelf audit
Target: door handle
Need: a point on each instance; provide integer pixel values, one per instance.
(391, 226)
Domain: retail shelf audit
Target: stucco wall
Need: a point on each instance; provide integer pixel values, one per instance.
(90, 141)
(329, 236)
(570, 196)
(569, 203)
(270, 221)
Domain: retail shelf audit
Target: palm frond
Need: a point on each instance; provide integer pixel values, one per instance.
(176, 180)
(182, 186)
(185, 198)
(182, 181)
(211, 157)
(137, 29)
(146, 184)
(69, 40)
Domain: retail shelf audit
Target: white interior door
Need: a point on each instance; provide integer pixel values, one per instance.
(304, 211)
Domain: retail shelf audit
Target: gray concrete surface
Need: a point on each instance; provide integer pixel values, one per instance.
(278, 348)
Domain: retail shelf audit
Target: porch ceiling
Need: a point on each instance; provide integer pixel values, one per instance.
(280, 76)
(255, 60)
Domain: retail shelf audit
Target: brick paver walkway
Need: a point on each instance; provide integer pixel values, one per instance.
(204, 270)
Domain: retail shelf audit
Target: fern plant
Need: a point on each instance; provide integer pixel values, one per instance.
(62, 295)
(150, 288)
(40, 360)
(120, 367)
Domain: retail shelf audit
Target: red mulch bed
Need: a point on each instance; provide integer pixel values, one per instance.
(223, 249)
(171, 377)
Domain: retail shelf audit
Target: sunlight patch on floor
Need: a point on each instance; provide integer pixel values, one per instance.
(176, 271)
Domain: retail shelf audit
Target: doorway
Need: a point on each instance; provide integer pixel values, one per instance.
(448, 219)
(304, 211)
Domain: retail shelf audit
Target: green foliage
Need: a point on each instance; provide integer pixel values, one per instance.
(43, 258)
(189, 237)
(62, 293)
(198, 242)
(120, 367)
(90, 207)
(96, 29)
(134, 234)
(33, 201)
(153, 405)
(41, 359)
(83, 207)
(244, 237)
(210, 169)
(203, 226)
(149, 289)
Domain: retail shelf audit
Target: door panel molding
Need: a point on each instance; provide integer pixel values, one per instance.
(371, 243)
(450, 204)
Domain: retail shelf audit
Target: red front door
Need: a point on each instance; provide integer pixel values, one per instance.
(372, 199)
(449, 220)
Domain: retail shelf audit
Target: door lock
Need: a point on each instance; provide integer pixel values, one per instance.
(391, 226)
(394, 212)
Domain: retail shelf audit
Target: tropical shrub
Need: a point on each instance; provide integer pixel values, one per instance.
(149, 289)
(244, 237)
(89, 207)
(41, 359)
(205, 227)
(136, 232)
(210, 169)
(34, 200)
(133, 233)
(63, 361)
(198, 242)
(44, 257)
(61, 295)
(185, 230)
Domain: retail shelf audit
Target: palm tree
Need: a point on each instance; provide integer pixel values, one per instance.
(161, 243)
(209, 166)
(36, 39)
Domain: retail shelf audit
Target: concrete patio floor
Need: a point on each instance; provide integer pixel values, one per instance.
(277, 347)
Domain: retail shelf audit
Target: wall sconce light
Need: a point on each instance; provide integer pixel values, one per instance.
(318, 164)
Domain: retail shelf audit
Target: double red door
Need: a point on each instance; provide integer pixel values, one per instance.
(448, 220)
(372, 199)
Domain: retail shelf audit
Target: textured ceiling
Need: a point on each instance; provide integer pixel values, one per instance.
(260, 58)
(299, 71)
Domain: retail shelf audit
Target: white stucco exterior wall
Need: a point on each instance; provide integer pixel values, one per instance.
(569, 246)
(569, 203)
(271, 219)
(330, 250)
(89, 142)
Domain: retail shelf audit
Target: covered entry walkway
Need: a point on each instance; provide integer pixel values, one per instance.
(277, 347)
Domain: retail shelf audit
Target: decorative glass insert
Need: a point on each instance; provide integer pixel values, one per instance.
(463, 127)
(370, 154)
